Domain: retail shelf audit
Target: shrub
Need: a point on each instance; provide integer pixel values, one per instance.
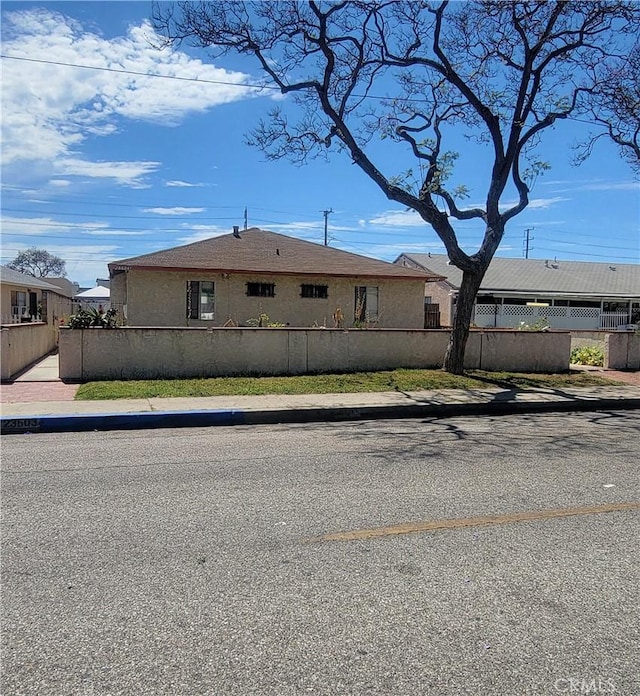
(93, 318)
(540, 325)
(587, 355)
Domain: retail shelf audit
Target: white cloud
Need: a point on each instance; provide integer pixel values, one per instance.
(599, 186)
(202, 232)
(129, 173)
(117, 233)
(49, 110)
(538, 203)
(59, 182)
(181, 184)
(173, 211)
(392, 251)
(46, 225)
(396, 218)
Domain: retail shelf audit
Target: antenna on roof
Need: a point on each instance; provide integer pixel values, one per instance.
(236, 231)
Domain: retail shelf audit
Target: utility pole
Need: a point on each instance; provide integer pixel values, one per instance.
(527, 240)
(245, 217)
(326, 214)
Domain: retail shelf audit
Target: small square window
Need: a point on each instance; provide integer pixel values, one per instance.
(320, 292)
(261, 289)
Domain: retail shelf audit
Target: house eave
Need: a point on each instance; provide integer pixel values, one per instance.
(115, 267)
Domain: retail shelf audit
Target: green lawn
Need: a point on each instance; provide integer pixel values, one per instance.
(392, 380)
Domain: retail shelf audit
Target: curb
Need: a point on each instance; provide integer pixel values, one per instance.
(208, 418)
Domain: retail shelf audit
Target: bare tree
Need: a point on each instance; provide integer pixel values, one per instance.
(614, 104)
(412, 73)
(38, 263)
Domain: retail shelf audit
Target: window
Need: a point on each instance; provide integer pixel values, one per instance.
(615, 306)
(18, 303)
(261, 289)
(584, 303)
(320, 292)
(200, 299)
(366, 303)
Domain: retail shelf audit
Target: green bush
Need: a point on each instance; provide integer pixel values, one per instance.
(93, 318)
(588, 355)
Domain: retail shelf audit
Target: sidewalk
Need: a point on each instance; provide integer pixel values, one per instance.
(50, 412)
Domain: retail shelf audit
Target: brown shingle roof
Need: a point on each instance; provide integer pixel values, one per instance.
(259, 251)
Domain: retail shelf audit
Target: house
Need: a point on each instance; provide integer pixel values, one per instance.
(67, 287)
(93, 298)
(565, 294)
(25, 298)
(31, 309)
(254, 276)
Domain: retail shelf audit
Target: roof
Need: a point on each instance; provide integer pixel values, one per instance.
(543, 277)
(259, 251)
(99, 292)
(11, 277)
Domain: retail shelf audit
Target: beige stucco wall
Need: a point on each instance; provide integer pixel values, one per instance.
(622, 351)
(147, 353)
(440, 293)
(158, 298)
(23, 344)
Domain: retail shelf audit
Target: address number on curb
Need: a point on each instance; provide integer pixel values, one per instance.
(20, 425)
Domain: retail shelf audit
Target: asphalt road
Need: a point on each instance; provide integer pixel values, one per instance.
(197, 561)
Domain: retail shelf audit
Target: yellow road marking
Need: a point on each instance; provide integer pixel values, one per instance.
(412, 527)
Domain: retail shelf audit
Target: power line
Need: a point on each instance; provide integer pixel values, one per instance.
(126, 217)
(244, 85)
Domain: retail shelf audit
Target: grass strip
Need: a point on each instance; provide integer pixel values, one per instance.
(384, 381)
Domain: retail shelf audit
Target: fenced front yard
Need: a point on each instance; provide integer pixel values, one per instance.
(165, 353)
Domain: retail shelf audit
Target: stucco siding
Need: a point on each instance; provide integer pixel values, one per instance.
(167, 353)
(159, 298)
(440, 293)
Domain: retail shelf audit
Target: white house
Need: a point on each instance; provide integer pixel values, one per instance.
(96, 298)
(576, 295)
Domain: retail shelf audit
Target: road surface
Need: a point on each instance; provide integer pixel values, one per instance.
(456, 556)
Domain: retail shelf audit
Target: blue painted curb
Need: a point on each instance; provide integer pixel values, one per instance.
(119, 421)
(188, 419)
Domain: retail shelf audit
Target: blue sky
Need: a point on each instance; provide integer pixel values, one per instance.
(99, 165)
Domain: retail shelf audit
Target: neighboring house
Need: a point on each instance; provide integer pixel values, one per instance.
(93, 298)
(565, 294)
(235, 279)
(67, 287)
(25, 298)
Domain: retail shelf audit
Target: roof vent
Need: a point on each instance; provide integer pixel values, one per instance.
(236, 231)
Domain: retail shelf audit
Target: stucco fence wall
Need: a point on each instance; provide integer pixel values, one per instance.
(23, 344)
(150, 353)
(622, 351)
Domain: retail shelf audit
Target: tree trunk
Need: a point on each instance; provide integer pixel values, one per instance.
(454, 357)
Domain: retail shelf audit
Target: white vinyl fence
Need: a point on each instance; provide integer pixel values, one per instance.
(508, 316)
